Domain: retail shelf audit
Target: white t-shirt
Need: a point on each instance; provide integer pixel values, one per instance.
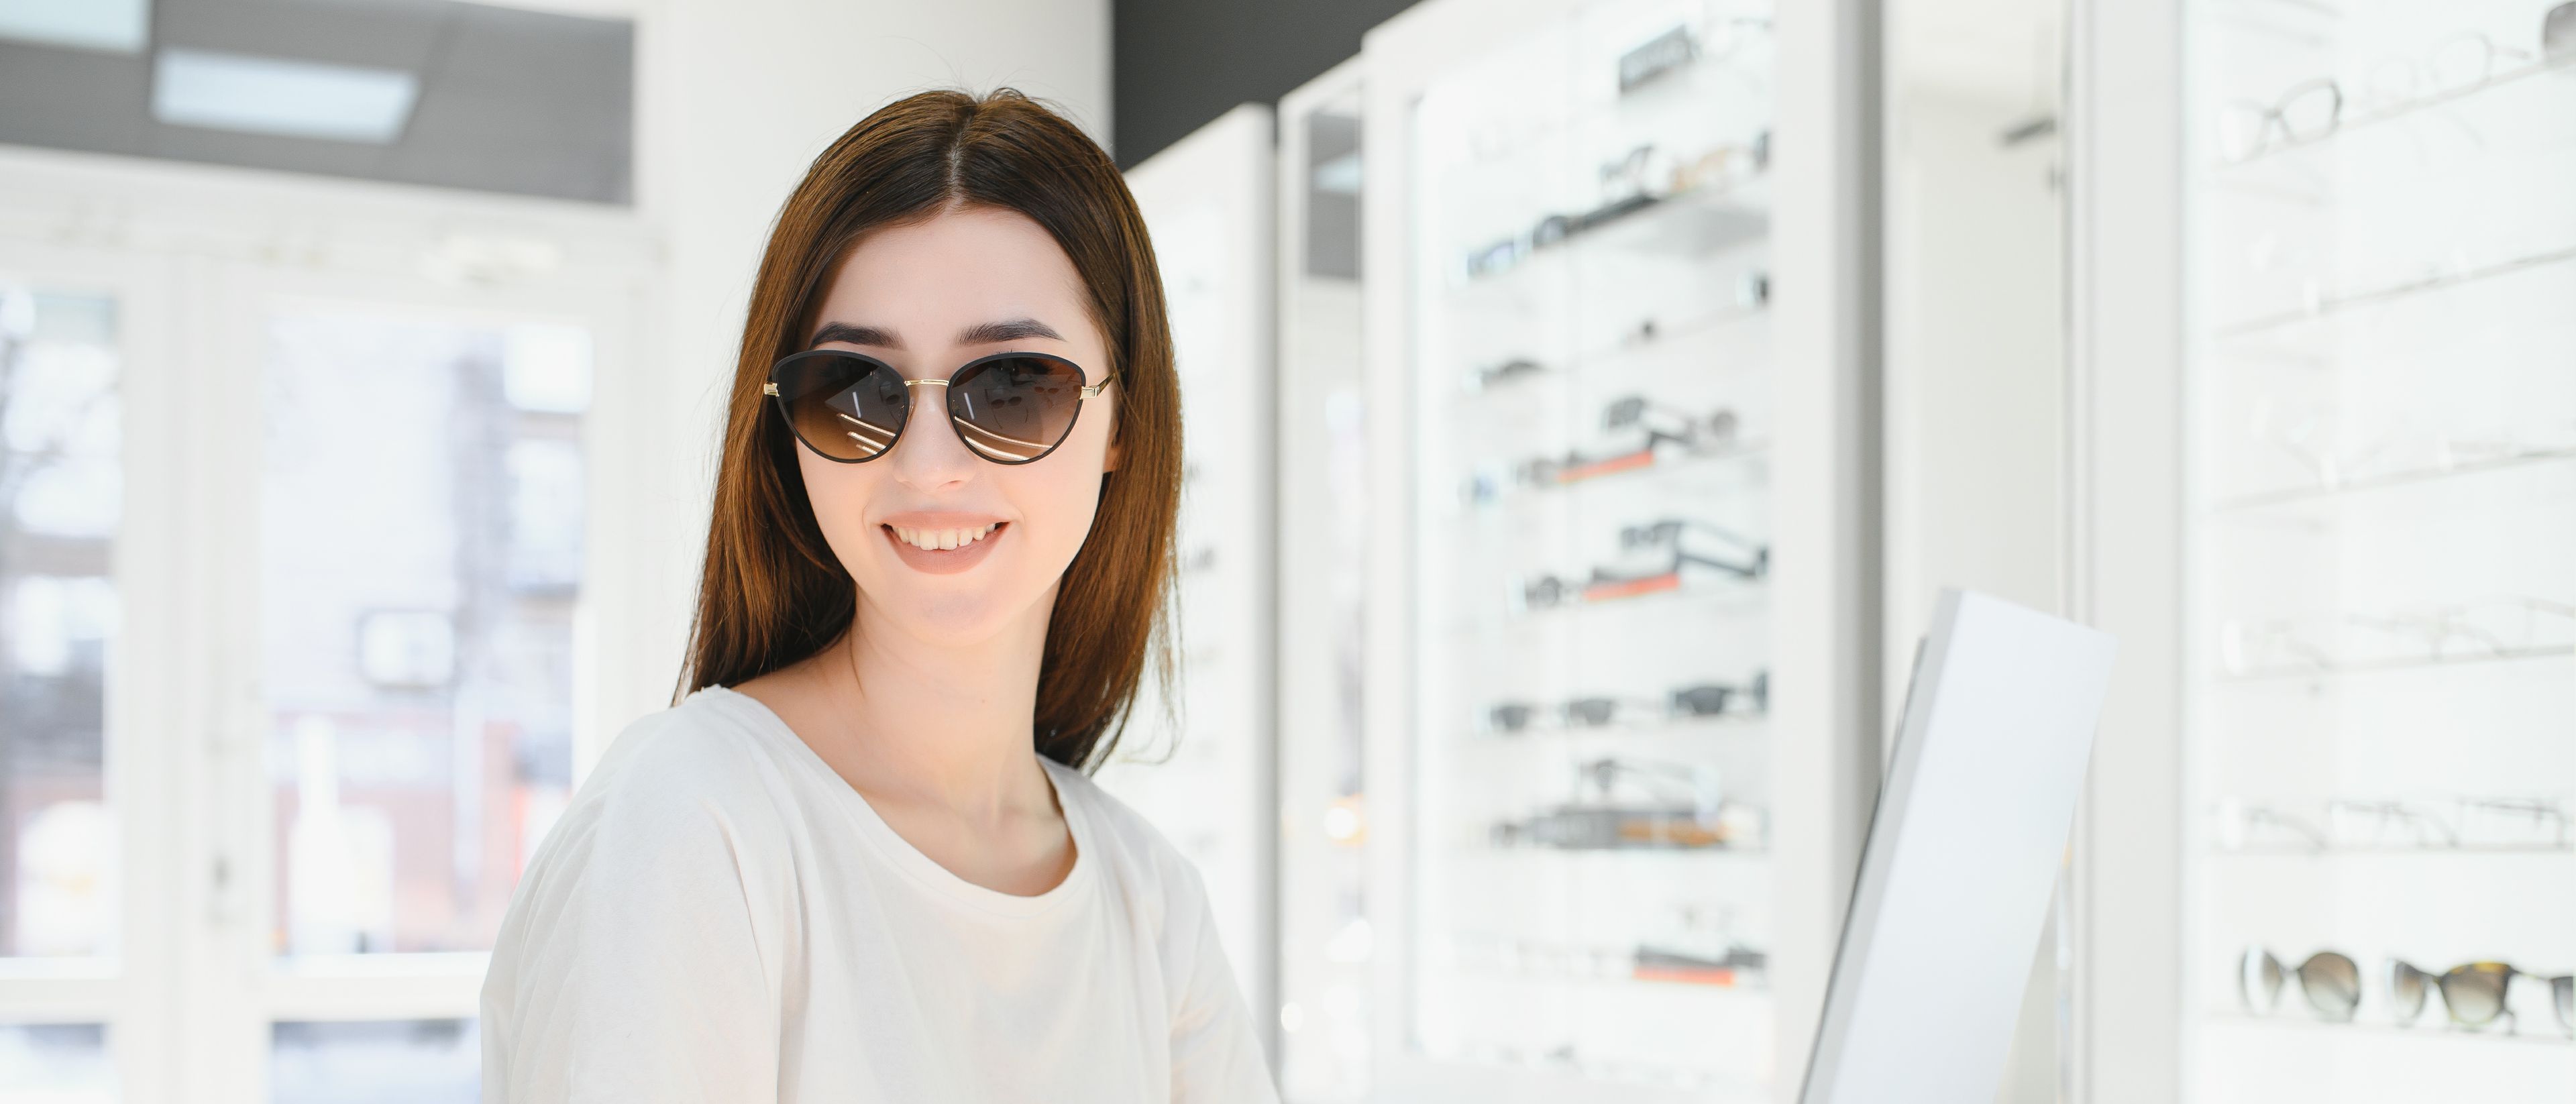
(718, 916)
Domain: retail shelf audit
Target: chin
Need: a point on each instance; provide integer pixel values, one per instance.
(945, 621)
(953, 612)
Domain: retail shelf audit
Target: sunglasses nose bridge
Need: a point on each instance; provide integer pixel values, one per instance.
(930, 461)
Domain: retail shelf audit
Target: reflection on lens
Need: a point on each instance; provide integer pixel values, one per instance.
(2407, 988)
(843, 406)
(2258, 980)
(2332, 984)
(1014, 409)
(2475, 992)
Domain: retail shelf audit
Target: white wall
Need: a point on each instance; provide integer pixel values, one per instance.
(736, 97)
(1976, 393)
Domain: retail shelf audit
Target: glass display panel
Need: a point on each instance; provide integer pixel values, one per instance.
(422, 536)
(1592, 893)
(2384, 635)
(61, 484)
(1326, 942)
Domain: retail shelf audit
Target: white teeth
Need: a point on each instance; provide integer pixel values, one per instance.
(943, 540)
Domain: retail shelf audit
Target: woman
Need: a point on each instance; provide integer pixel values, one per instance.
(861, 860)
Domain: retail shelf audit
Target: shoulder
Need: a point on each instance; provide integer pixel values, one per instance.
(1150, 869)
(711, 754)
(693, 780)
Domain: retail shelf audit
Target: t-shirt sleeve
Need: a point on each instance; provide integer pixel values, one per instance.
(1216, 1057)
(646, 970)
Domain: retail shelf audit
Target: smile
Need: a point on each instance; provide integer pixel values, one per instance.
(941, 540)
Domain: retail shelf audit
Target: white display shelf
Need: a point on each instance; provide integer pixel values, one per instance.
(2383, 546)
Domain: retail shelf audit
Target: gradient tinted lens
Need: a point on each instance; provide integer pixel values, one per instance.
(2475, 992)
(2564, 989)
(843, 406)
(2332, 984)
(1511, 716)
(1014, 409)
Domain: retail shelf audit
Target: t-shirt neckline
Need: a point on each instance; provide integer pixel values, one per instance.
(900, 851)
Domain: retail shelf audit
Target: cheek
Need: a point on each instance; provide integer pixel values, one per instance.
(838, 494)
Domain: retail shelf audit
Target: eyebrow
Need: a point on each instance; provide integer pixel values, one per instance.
(981, 333)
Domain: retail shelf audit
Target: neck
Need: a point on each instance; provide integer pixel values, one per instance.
(942, 723)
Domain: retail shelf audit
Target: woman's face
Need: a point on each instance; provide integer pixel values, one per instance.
(927, 298)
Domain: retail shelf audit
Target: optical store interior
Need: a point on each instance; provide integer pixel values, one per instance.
(1588, 405)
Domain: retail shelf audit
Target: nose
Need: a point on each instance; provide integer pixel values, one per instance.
(930, 457)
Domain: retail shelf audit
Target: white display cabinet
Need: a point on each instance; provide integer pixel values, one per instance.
(1619, 673)
(2383, 545)
(2327, 498)
(1203, 773)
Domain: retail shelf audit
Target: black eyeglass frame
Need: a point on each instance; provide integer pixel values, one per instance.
(963, 373)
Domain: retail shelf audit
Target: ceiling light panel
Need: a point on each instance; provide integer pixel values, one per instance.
(262, 95)
(116, 26)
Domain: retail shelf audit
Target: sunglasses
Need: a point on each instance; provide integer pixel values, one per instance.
(1009, 408)
(2331, 981)
(2473, 994)
(1706, 699)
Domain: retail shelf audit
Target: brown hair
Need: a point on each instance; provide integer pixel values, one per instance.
(772, 593)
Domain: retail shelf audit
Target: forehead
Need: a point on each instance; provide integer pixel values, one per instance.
(969, 265)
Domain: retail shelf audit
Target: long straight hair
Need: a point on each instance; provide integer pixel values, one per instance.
(772, 593)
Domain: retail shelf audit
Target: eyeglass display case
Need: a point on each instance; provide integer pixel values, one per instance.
(2381, 648)
(1604, 876)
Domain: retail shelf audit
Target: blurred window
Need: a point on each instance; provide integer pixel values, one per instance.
(55, 1064)
(381, 1062)
(59, 503)
(421, 548)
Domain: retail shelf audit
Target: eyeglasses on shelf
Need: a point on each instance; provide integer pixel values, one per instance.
(2470, 824)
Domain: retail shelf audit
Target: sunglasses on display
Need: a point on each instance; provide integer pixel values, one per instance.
(1499, 374)
(1658, 964)
(1717, 429)
(1539, 958)
(1605, 585)
(1715, 433)
(1581, 827)
(1702, 700)
(1640, 178)
(2473, 994)
(1009, 408)
(2330, 981)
